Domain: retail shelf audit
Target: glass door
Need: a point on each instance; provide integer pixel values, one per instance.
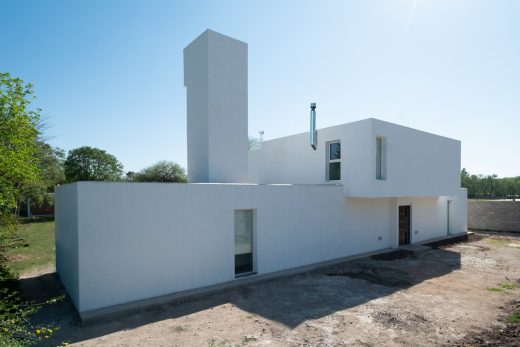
(243, 242)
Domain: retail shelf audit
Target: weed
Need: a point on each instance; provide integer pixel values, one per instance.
(504, 286)
(215, 343)
(366, 344)
(514, 318)
(509, 285)
(495, 289)
(179, 329)
(247, 339)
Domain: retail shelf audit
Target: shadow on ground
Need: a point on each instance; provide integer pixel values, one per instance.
(287, 300)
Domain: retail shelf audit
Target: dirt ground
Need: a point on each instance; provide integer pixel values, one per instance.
(457, 295)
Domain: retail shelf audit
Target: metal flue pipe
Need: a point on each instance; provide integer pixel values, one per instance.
(313, 131)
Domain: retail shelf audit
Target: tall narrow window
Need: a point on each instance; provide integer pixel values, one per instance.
(334, 161)
(380, 158)
(448, 215)
(243, 242)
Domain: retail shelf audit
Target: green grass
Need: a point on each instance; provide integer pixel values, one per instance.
(504, 286)
(507, 285)
(35, 250)
(514, 318)
(495, 289)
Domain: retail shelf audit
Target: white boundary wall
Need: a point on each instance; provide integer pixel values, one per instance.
(121, 242)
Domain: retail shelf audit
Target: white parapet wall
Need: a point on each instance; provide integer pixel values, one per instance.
(121, 242)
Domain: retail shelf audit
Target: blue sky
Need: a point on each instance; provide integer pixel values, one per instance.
(109, 74)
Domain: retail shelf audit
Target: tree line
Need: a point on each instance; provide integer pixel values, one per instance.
(85, 164)
(490, 186)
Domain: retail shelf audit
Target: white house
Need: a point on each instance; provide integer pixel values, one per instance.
(368, 186)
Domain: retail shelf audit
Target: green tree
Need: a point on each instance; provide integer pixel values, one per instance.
(163, 171)
(254, 143)
(490, 186)
(50, 163)
(92, 164)
(20, 167)
(19, 132)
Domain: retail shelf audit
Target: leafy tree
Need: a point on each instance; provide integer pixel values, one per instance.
(52, 173)
(490, 186)
(130, 175)
(19, 131)
(163, 171)
(254, 143)
(20, 167)
(92, 164)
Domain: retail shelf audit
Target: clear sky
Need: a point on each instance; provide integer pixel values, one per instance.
(109, 74)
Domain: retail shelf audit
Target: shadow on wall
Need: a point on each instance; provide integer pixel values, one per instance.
(289, 300)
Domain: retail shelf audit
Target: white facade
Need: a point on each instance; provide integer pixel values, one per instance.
(417, 163)
(215, 76)
(122, 242)
(118, 243)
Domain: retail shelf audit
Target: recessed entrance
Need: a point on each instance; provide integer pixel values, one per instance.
(243, 242)
(404, 225)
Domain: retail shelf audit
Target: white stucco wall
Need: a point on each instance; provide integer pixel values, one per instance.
(429, 219)
(141, 240)
(417, 163)
(215, 76)
(459, 212)
(67, 251)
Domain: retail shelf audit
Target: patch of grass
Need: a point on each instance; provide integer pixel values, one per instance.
(495, 289)
(504, 286)
(509, 285)
(498, 242)
(35, 250)
(514, 318)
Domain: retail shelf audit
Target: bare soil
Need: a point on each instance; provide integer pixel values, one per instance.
(454, 295)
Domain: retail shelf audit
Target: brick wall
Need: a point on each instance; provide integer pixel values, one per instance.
(494, 215)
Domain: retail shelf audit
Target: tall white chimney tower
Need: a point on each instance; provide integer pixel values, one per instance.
(215, 77)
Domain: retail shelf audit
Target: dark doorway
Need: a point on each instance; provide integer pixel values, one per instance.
(404, 225)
